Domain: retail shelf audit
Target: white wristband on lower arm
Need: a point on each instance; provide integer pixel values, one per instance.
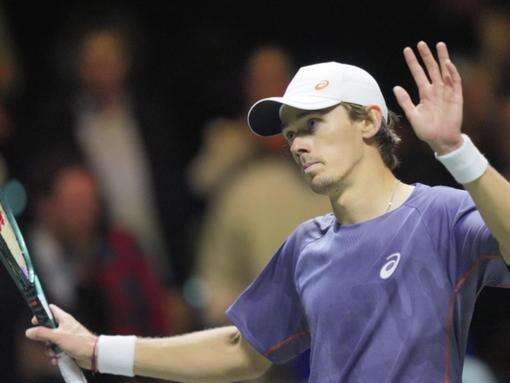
(466, 163)
(116, 354)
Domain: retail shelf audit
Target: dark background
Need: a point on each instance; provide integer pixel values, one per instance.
(192, 51)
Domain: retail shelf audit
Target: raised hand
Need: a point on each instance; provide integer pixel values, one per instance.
(437, 118)
(70, 335)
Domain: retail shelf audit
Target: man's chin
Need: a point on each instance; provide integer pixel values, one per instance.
(320, 185)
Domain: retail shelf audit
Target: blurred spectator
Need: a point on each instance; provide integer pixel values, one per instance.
(479, 97)
(494, 24)
(13, 307)
(227, 143)
(87, 266)
(9, 67)
(240, 232)
(10, 91)
(128, 139)
(10, 84)
(5, 134)
(482, 109)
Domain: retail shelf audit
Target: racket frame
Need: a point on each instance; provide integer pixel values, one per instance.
(28, 284)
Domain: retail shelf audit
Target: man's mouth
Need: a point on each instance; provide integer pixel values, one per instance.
(309, 164)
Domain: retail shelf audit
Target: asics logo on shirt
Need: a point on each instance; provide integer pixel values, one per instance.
(389, 267)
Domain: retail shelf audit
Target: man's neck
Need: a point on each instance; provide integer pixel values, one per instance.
(367, 195)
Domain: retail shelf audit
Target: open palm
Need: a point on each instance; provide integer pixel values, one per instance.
(437, 119)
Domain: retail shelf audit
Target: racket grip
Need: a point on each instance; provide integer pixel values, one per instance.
(69, 370)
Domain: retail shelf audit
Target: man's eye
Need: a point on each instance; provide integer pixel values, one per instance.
(311, 124)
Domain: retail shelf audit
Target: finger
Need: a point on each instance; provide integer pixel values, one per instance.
(54, 361)
(34, 321)
(50, 353)
(456, 79)
(59, 314)
(404, 100)
(430, 62)
(419, 76)
(443, 56)
(41, 334)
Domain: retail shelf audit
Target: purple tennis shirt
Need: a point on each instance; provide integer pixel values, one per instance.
(386, 300)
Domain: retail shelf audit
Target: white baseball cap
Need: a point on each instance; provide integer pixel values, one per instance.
(316, 87)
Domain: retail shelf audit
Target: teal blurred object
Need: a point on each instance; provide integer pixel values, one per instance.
(192, 292)
(16, 196)
(476, 371)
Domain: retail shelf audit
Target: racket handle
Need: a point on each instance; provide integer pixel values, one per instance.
(70, 370)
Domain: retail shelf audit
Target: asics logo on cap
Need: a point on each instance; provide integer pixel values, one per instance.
(322, 85)
(389, 267)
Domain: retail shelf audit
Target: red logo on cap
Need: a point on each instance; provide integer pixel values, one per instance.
(322, 85)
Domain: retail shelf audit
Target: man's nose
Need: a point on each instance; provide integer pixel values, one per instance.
(300, 145)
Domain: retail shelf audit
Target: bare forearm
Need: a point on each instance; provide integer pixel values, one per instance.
(216, 355)
(491, 194)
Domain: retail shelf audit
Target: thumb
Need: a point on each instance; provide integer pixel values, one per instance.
(404, 100)
(41, 333)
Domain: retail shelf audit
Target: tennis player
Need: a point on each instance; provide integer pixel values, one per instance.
(383, 288)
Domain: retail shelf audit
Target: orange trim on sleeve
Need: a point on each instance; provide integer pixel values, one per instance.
(451, 305)
(282, 343)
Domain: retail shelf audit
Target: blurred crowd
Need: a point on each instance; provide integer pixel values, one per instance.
(135, 236)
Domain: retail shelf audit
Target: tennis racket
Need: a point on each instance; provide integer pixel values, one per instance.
(14, 256)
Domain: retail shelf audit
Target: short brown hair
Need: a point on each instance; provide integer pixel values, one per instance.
(386, 138)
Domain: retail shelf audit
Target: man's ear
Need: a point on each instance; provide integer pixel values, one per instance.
(373, 123)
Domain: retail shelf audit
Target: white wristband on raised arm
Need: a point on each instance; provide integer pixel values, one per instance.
(116, 354)
(466, 163)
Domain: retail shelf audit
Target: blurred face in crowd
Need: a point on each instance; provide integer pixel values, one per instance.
(326, 144)
(267, 74)
(72, 210)
(479, 98)
(494, 26)
(102, 63)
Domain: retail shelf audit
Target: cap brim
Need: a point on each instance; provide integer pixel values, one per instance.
(264, 117)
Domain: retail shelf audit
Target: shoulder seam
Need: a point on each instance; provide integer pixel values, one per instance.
(299, 252)
(420, 213)
(311, 241)
(322, 233)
